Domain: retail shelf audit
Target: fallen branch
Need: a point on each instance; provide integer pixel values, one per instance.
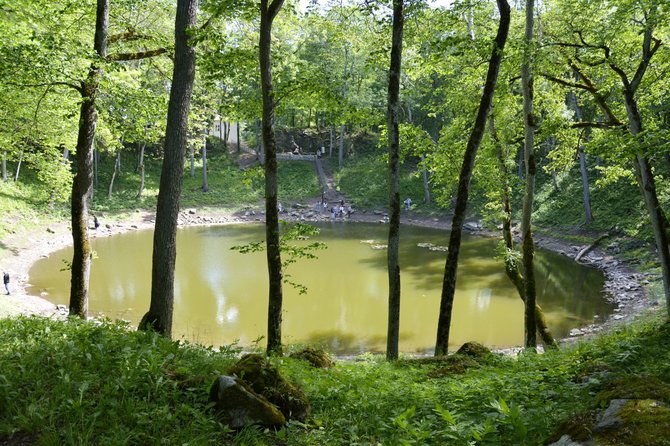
(586, 250)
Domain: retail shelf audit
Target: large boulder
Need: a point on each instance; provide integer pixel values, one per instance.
(240, 406)
(264, 379)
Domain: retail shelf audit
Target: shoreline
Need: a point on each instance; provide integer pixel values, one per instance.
(623, 286)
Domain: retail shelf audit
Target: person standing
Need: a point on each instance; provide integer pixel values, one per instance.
(5, 280)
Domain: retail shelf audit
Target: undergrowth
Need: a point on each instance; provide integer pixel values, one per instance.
(98, 383)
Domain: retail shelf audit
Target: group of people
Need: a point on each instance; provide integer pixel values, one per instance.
(339, 210)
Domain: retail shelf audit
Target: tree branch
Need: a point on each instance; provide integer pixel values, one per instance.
(273, 8)
(648, 52)
(564, 82)
(46, 84)
(136, 56)
(127, 36)
(600, 99)
(595, 125)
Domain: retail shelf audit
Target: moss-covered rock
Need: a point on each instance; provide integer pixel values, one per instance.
(634, 422)
(631, 410)
(453, 365)
(639, 387)
(318, 358)
(264, 379)
(474, 350)
(240, 406)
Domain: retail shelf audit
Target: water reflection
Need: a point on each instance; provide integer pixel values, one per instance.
(221, 295)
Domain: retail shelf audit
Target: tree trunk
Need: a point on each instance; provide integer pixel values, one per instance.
(117, 168)
(394, 183)
(268, 13)
(191, 157)
(340, 158)
(237, 133)
(226, 135)
(528, 247)
(159, 316)
(588, 216)
(4, 165)
(96, 159)
(18, 167)
(205, 184)
(512, 268)
(426, 185)
(141, 165)
(340, 154)
(450, 268)
(83, 180)
(332, 142)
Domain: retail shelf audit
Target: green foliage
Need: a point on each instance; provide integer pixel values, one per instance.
(365, 182)
(96, 382)
(291, 252)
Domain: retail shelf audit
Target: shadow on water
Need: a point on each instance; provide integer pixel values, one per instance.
(221, 295)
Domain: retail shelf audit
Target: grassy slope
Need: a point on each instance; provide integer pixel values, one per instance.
(90, 383)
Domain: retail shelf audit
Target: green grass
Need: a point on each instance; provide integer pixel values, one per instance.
(98, 383)
(364, 180)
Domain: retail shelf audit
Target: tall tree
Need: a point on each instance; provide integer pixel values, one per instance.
(159, 316)
(83, 180)
(394, 182)
(451, 265)
(528, 248)
(275, 298)
(606, 50)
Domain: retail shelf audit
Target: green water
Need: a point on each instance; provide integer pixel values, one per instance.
(221, 295)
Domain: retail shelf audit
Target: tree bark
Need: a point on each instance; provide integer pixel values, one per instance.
(237, 132)
(340, 157)
(205, 184)
(330, 153)
(117, 168)
(394, 183)
(451, 265)
(588, 216)
(426, 185)
(141, 166)
(275, 298)
(18, 167)
(159, 316)
(83, 180)
(528, 248)
(191, 157)
(96, 159)
(512, 268)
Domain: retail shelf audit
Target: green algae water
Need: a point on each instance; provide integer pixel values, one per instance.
(221, 295)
